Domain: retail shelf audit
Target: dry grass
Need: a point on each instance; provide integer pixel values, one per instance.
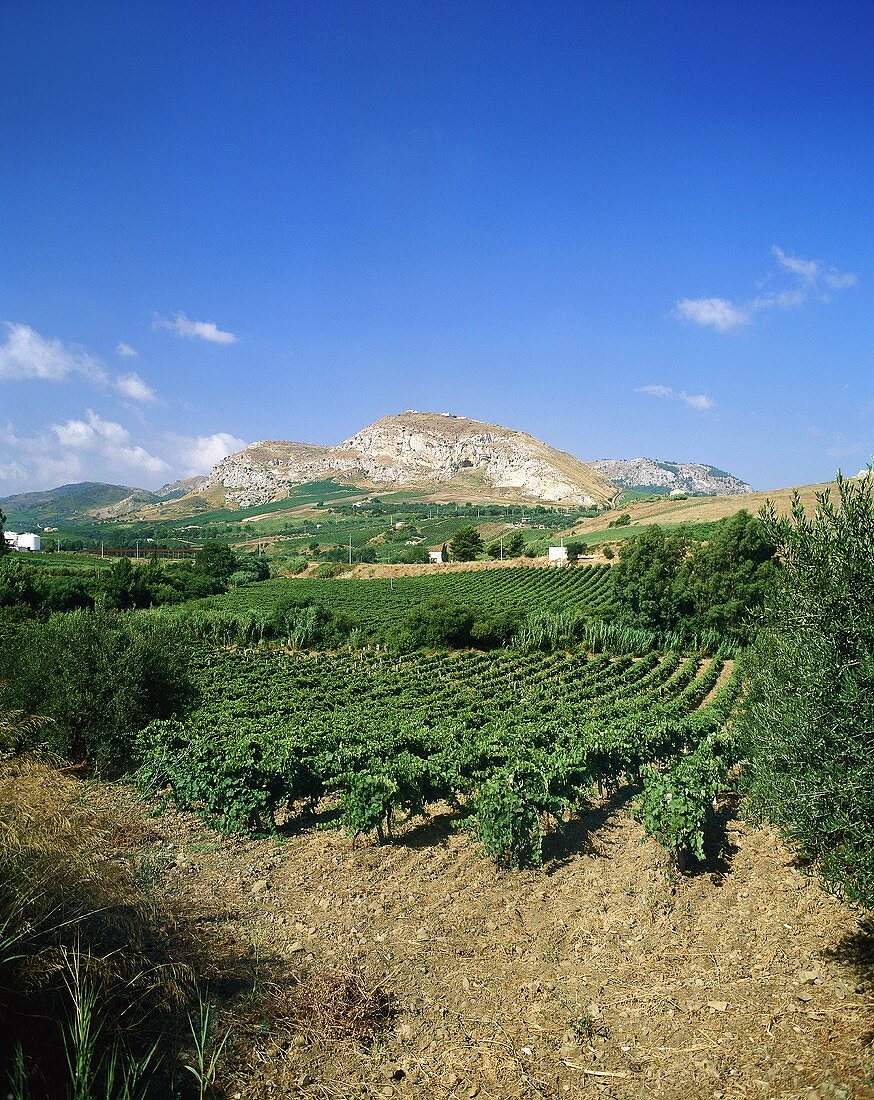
(74, 917)
(675, 512)
(86, 930)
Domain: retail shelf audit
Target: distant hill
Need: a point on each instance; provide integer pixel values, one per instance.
(432, 453)
(87, 500)
(648, 474)
(426, 455)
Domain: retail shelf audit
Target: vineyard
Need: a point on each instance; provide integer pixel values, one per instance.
(515, 744)
(376, 605)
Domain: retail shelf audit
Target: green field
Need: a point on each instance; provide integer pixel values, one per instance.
(379, 602)
(514, 741)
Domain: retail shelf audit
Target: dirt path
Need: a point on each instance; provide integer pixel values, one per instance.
(604, 975)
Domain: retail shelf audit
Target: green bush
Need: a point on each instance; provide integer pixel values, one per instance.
(667, 581)
(435, 626)
(100, 675)
(805, 729)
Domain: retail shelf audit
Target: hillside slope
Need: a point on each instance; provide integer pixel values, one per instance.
(68, 502)
(89, 500)
(674, 513)
(424, 452)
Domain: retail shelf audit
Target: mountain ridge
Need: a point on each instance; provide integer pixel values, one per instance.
(426, 454)
(418, 451)
(694, 478)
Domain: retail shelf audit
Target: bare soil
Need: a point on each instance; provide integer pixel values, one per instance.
(605, 974)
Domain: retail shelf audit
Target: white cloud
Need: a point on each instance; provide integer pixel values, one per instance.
(693, 400)
(108, 444)
(94, 448)
(194, 330)
(90, 432)
(814, 272)
(131, 385)
(813, 280)
(656, 391)
(198, 454)
(126, 351)
(25, 354)
(804, 269)
(720, 313)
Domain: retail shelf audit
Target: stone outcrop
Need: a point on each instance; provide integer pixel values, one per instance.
(693, 478)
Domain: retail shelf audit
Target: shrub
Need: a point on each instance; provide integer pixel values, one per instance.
(100, 675)
(805, 728)
(434, 626)
(667, 581)
(328, 569)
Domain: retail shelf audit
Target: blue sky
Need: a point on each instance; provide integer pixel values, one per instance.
(627, 228)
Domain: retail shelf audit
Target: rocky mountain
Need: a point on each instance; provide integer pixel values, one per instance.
(432, 452)
(693, 478)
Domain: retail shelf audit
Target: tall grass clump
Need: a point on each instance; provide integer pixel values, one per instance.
(91, 989)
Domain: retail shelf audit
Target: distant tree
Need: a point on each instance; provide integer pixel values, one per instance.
(17, 584)
(257, 565)
(724, 579)
(609, 553)
(645, 578)
(436, 625)
(667, 581)
(514, 545)
(123, 587)
(574, 550)
(216, 560)
(467, 544)
(101, 676)
(414, 555)
(444, 553)
(3, 547)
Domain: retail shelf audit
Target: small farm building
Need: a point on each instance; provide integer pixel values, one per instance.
(435, 557)
(29, 541)
(558, 555)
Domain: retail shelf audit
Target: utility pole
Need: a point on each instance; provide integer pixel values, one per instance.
(350, 549)
(502, 547)
(102, 551)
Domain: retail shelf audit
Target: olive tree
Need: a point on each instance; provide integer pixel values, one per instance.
(806, 726)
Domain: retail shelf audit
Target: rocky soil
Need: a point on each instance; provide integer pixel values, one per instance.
(605, 974)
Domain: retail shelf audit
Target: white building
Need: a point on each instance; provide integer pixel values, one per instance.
(435, 557)
(558, 555)
(28, 542)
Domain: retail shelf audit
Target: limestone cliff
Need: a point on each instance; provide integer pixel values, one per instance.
(423, 451)
(689, 477)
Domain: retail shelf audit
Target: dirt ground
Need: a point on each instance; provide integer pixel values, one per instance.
(604, 975)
